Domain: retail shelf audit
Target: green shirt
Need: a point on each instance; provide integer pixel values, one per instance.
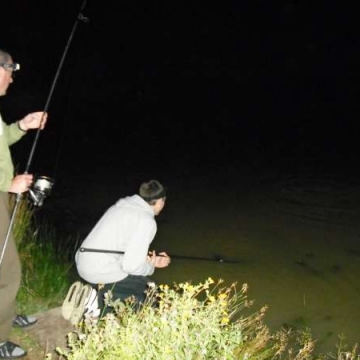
(9, 134)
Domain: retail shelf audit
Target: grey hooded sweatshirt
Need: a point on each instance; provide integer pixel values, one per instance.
(127, 226)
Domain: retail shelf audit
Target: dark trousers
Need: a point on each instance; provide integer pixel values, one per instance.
(130, 286)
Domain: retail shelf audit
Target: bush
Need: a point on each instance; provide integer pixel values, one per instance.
(187, 321)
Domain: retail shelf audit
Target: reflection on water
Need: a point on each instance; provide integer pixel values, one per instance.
(298, 249)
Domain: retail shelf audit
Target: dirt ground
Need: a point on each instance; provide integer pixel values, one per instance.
(48, 333)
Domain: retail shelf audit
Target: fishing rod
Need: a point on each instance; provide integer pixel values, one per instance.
(43, 184)
(79, 18)
(217, 258)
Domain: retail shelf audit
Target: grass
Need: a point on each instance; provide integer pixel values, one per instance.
(45, 268)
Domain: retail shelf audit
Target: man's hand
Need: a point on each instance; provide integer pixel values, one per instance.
(159, 261)
(162, 260)
(33, 121)
(21, 183)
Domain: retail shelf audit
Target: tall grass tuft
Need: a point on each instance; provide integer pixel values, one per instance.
(23, 222)
(44, 269)
(186, 321)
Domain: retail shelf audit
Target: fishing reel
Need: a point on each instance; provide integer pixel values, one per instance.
(40, 189)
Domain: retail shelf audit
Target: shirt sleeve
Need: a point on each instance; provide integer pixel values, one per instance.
(8, 135)
(135, 258)
(13, 133)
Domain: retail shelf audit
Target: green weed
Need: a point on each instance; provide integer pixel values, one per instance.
(44, 269)
(178, 324)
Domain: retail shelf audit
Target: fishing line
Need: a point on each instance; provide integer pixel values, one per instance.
(43, 184)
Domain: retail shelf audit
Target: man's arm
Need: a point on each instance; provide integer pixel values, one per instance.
(17, 130)
(136, 253)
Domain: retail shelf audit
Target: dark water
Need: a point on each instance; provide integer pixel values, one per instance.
(294, 237)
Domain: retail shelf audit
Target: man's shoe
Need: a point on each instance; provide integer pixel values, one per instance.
(71, 298)
(24, 321)
(9, 350)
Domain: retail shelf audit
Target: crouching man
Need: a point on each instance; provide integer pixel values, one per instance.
(115, 255)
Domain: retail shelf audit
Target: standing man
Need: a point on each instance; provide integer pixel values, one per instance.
(10, 270)
(129, 226)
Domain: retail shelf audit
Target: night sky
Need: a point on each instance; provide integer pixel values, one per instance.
(205, 87)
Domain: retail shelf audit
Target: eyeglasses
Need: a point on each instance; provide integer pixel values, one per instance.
(11, 67)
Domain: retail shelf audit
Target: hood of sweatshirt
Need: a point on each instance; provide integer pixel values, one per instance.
(135, 202)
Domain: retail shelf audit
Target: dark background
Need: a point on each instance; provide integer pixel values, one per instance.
(187, 90)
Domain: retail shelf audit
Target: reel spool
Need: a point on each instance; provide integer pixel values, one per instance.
(41, 189)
